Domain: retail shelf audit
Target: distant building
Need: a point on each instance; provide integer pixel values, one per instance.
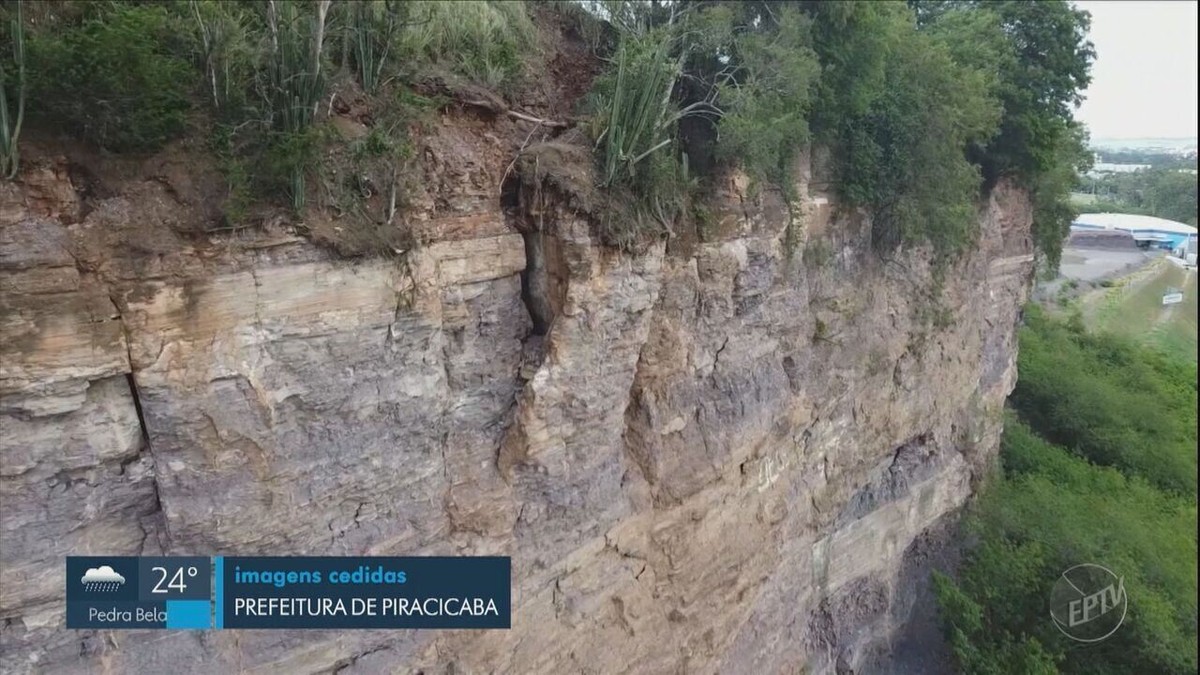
(1147, 231)
(1107, 167)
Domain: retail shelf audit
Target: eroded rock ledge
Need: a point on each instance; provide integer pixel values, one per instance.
(712, 460)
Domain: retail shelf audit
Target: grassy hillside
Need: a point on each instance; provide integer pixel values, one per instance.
(1099, 467)
(1132, 308)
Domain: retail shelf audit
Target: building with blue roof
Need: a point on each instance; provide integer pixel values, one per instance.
(1147, 231)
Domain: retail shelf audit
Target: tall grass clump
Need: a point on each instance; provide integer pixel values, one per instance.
(10, 123)
(481, 40)
(634, 124)
(230, 53)
(294, 85)
(116, 78)
(373, 27)
(636, 111)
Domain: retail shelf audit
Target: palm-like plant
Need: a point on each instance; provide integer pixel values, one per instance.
(10, 131)
(295, 83)
(373, 26)
(637, 117)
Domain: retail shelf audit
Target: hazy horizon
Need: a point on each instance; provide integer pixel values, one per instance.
(1145, 74)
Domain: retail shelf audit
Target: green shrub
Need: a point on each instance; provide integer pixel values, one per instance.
(1112, 402)
(1052, 510)
(116, 79)
(767, 97)
(818, 253)
(1098, 466)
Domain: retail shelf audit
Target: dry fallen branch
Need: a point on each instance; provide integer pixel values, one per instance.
(501, 109)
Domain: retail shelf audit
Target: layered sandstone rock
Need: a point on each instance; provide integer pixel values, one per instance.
(718, 459)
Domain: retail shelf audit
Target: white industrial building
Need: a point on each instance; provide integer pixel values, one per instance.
(1147, 231)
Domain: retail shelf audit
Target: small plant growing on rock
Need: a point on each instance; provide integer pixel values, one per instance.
(877, 362)
(818, 253)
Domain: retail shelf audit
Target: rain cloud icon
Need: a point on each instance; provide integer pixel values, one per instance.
(102, 578)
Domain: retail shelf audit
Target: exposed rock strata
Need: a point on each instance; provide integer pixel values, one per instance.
(712, 462)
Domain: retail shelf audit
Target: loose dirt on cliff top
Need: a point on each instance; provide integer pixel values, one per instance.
(435, 177)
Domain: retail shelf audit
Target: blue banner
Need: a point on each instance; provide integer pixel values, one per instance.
(289, 592)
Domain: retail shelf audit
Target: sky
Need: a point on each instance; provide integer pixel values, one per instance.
(1144, 77)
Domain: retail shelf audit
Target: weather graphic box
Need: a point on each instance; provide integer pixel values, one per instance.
(132, 592)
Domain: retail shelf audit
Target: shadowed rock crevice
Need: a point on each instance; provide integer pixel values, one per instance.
(543, 281)
(534, 285)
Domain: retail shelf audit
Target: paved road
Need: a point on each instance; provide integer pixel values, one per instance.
(1092, 265)
(1095, 264)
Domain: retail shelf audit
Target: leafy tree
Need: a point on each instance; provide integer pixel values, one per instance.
(1038, 60)
(1041, 86)
(1050, 191)
(900, 107)
(1156, 159)
(768, 95)
(1165, 193)
(1171, 195)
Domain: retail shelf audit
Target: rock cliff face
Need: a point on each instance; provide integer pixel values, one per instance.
(722, 457)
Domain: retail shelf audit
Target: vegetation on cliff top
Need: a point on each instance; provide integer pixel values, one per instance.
(1099, 466)
(924, 105)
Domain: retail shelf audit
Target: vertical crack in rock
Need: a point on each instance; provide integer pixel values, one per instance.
(147, 447)
(535, 290)
(633, 438)
(539, 291)
(157, 510)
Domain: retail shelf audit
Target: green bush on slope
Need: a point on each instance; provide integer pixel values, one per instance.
(1110, 401)
(115, 79)
(1116, 487)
